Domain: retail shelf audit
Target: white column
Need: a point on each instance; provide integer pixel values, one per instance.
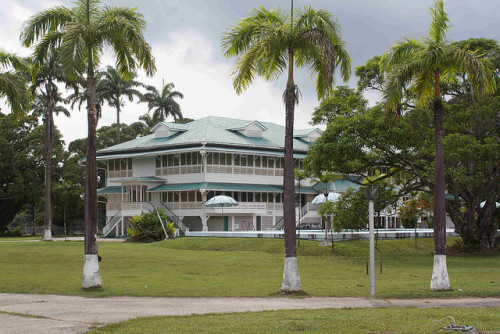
(232, 223)
(203, 215)
(372, 248)
(254, 222)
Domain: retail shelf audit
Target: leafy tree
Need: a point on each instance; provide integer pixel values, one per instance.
(114, 88)
(22, 166)
(268, 43)
(13, 83)
(163, 103)
(422, 65)
(46, 76)
(82, 32)
(369, 76)
(344, 102)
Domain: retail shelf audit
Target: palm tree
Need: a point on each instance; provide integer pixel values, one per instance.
(13, 84)
(421, 66)
(45, 79)
(114, 87)
(82, 32)
(79, 95)
(149, 120)
(268, 43)
(163, 104)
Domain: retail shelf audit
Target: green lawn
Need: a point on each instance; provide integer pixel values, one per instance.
(210, 267)
(361, 320)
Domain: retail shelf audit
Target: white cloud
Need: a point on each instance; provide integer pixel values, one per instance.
(186, 59)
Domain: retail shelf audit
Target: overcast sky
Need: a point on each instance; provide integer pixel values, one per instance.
(185, 37)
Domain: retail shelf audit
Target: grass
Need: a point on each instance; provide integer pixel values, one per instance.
(223, 267)
(361, 320)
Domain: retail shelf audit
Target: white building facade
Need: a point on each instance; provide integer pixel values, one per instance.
(179, 167)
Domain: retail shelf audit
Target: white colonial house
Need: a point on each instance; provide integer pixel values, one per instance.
(178, 167)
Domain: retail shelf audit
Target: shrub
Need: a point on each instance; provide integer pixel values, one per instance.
(16, 232)
(147, 227)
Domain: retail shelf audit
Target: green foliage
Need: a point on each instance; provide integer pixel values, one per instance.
(344, 102)
(262, 42)
(369, 75)
(409, 213)
(16, 232)
(163, 104)
(350, 212)
(147, 227)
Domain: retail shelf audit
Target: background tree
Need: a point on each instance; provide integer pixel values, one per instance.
(79, 95)
(114, 88)
(423, 65)
(13, 82)
(82, 32)
(163, 103)
(46, 76)
(409, 213)
(268, 43)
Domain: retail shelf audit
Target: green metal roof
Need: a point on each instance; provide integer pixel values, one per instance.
(220, 186)
(109, 190)
(210, 130)
(305, 132)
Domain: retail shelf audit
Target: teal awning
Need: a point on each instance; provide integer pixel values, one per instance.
(109, 190)
(221, 186)
(177, 187)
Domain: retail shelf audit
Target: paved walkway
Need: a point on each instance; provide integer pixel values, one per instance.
(22, 313)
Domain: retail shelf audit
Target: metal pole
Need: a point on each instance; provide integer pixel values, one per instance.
(372, 248)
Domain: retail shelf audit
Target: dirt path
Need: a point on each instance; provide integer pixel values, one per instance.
(22, 313)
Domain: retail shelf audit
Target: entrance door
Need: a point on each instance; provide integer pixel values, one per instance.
(259, 223)
(226, 223)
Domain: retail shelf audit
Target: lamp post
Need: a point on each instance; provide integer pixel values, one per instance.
(371, 195)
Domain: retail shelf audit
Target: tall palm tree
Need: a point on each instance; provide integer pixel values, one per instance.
(13, 83)
(421, 66)
(45, 78)
(268, 43)
(163, 104)
(82, 32)
(79, 95)
(114, 88)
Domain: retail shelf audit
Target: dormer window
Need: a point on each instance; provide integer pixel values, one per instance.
(250, 129)
(309, 135)
(165, 130)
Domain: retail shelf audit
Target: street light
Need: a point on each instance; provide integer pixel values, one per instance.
(371, 195)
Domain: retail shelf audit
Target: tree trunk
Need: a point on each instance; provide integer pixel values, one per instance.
(118, 124)
(440, 280)
(49, 143)
(91, 274)
(291, 279)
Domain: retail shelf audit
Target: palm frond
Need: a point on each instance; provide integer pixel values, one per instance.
(44, 22)
(439, 23)
(13, 87)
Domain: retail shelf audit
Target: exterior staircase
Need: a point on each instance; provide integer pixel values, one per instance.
(109, 229)
(171, 215)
